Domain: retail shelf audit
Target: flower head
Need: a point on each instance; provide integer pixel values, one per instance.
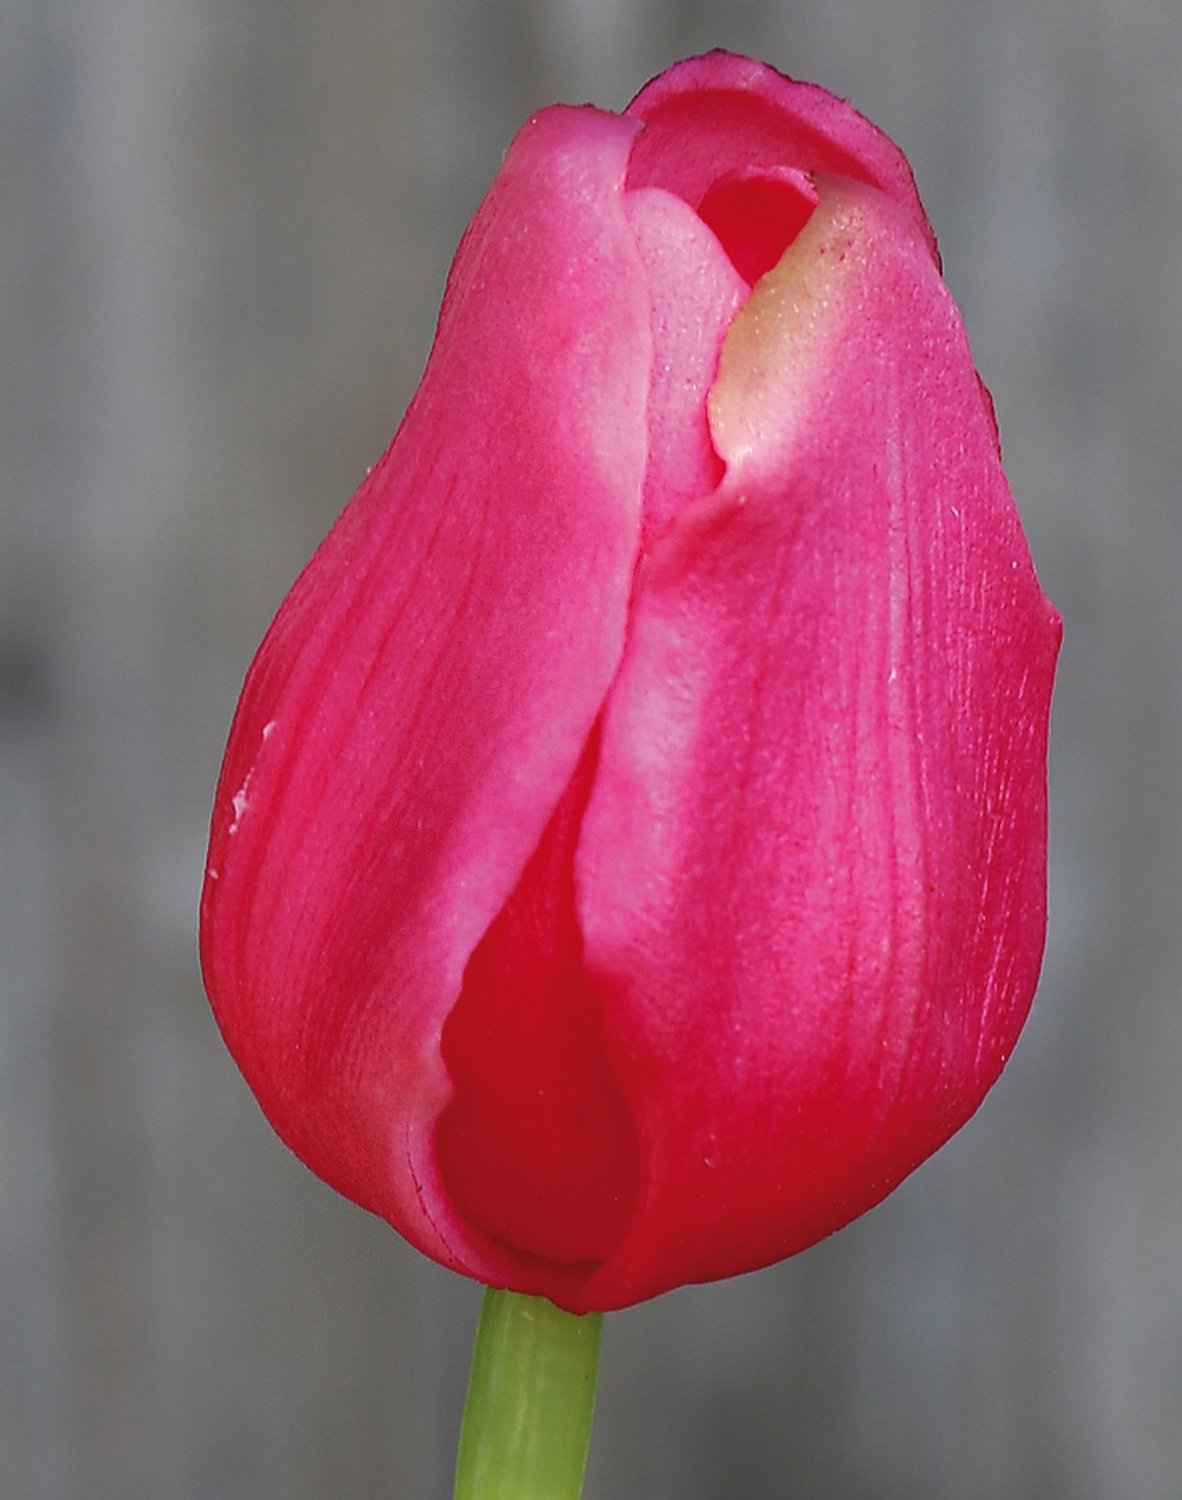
(629, 859)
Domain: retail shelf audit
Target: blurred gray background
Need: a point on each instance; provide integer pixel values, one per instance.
(224, 228)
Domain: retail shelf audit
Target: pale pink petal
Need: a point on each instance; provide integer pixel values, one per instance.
(537, 1146)
(695, 291)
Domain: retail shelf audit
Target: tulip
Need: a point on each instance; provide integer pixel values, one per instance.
(629, 860)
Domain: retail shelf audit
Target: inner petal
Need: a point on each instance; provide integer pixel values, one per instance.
(694, 293)
(757, 215)
(537, 1146)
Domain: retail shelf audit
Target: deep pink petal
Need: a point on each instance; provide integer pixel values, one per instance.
(812, 870)
(708, 115)
(427, 689)
(537, 1147)
(756, 215)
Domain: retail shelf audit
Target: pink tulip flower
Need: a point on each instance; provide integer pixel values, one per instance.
(629, 860)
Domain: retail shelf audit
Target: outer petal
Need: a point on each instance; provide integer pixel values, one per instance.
(537, 1144)
(722, 111)
(812, 869)
(424, 694)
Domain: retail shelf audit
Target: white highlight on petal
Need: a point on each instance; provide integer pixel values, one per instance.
(239, 802)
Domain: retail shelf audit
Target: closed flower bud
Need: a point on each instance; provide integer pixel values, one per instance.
(629, 860)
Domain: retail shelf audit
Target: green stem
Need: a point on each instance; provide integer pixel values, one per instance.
(531, 1398)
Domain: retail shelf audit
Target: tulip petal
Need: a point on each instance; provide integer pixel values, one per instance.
(537, 1147)
(812, 868)
(722, 108)
(695, 291)
(757, 214)
(425, 694)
